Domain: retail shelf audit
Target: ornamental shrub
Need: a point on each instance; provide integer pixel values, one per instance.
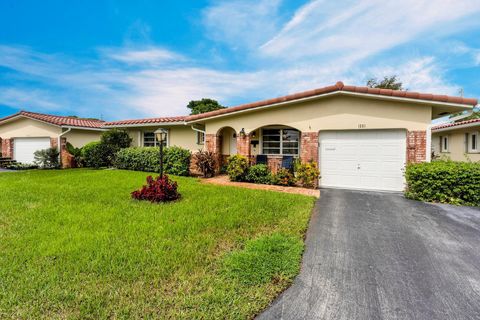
(76, 153)
(444, 181)
(283, 177)
(112, 141)
(94, 155)
(206, 162)
(176, 160)
(160, 189)
(259, 173)
(237, 167)
(47, 158)
(307, 174)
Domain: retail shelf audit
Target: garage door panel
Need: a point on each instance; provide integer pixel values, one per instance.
(24, 148)
(367, 159)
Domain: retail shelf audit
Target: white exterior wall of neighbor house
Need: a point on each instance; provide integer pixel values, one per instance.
(178, 135)
(457, 150)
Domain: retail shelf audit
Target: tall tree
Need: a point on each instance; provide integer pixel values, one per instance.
(387, 83)
(204, 105)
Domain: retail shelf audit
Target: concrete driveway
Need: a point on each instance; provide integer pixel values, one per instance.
(381, 256)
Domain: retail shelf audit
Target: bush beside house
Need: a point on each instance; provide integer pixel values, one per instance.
(238, 169)
(444, 181)
(176, 160)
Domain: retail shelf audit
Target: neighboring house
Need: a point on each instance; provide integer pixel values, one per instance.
(457, 141)
(23, 133)
(361, 137)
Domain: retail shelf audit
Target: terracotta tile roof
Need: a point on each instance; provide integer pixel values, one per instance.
(59, 120)
(456, 124)
(145, 121)
(339, 86)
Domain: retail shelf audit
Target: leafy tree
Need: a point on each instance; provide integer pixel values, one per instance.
(204, 105)
(387, 83)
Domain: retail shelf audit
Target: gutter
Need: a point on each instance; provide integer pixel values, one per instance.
(201, 131)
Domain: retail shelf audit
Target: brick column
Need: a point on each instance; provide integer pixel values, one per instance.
(416, 146)
(309, 147)
(7, 148)
(213, 143)
(243, 145)
(67, 160)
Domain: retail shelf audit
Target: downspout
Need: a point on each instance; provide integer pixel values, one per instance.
(428, 147)
(60, 145)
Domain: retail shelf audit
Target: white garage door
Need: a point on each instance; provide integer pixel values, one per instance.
(363, 159)
(23, 148)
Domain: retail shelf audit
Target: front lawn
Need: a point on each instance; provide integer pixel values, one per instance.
(74, 245)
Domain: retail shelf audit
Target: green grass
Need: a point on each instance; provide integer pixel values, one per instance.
(74, 245)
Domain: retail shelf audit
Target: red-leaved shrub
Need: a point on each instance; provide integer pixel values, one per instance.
(159, 189)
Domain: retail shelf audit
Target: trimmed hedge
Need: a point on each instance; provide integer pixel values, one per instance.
(176, 160)
(444, 181)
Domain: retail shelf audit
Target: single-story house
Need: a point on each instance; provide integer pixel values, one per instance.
(457, 141)
(361, 137)
(23, 133)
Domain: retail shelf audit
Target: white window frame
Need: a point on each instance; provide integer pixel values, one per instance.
(167, 141)
(281, 141)
(444, 139)
(471, 148)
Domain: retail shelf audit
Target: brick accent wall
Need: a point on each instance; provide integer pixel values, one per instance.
(67, 159)
(213, 143)
(7, 148)
(309, 146)
(416, 146)
(243, 145)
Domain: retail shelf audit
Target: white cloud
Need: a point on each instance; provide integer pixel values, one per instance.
(350, 31)
(134, 56)
(242, 23)
(322, 43)
(422, 74)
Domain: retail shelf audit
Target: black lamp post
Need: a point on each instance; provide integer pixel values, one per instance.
(161, 135)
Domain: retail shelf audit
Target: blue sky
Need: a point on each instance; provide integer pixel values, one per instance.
(133, 59)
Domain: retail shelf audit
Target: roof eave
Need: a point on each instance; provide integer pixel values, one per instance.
(461, 126)
(83, 128)
(153, 124)
(339, 92)
(19, 115)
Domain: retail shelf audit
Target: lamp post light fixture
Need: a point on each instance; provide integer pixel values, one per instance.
(242, 133)
(160, 137)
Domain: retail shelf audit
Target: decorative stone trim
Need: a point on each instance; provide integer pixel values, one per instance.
(416, 146)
